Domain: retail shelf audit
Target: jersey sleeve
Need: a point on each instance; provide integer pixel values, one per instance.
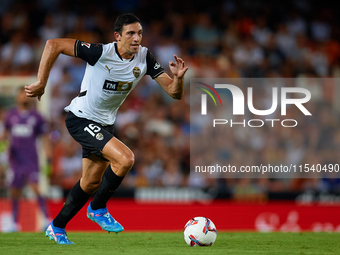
(154, 69)
(90, 52)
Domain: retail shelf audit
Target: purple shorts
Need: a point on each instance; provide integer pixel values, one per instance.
(22, 176)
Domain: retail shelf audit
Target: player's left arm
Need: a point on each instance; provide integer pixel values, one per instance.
(174, 87)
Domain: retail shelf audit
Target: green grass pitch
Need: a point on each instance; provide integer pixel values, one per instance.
(171, 243)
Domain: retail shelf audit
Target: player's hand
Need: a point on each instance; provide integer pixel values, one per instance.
(178, 68)
(36, 89)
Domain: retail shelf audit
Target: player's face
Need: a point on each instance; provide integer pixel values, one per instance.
(23, 100)
(131, 38)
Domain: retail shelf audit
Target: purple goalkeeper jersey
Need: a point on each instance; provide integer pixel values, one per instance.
(23, 129)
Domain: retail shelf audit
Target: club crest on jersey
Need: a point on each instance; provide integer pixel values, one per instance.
(157, 65)
(99, 136)
(136, 72)
(86, 44)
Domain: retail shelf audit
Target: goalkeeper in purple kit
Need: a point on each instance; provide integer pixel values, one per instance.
(23, 126)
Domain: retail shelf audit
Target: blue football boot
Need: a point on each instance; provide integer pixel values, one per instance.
(104, 219)
(57, 234)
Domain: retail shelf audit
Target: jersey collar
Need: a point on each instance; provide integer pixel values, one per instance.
(116, 49)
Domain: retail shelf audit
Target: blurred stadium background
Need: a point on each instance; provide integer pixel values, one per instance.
(288, 39)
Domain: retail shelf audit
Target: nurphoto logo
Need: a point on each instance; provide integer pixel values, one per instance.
(238, 99)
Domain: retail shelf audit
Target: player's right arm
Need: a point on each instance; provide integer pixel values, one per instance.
(52, 49)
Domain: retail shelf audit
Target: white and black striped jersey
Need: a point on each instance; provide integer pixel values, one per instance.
(109, 79)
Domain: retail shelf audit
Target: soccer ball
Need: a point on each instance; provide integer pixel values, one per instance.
(200, 231)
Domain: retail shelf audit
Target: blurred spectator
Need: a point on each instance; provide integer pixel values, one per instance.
(16, 55)
(274, 57)
(249, 57)
(165, 50)
(231, 36)
(296, 24)
(205, 36)
(319, 61)
(285, 41)
(261, 32)
(49, 30)
(6, 28)
(81, 32)
(172, 176)
(320, 29)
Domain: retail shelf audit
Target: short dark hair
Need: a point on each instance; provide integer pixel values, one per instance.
(125, 19)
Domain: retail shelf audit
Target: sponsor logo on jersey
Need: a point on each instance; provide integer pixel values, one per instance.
(86, 44)
(157, 65)
(117, 87)
(136, 72)
(109, 69)
(110, 85)
(22, 130)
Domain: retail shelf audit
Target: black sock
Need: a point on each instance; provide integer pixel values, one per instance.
(75, 200)
(108, 186)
